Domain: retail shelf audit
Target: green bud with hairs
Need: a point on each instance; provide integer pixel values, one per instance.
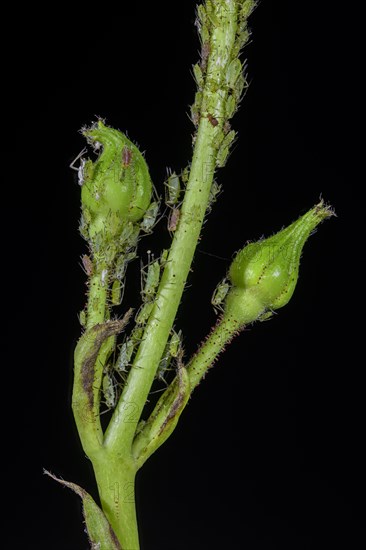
(116, 187)
(264, 273)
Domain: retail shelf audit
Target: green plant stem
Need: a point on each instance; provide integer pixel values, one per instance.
(224, 331)
(88, 421)
(115, 477)
(119, 434)
(245, 309)
(233, 320)
(97, 297)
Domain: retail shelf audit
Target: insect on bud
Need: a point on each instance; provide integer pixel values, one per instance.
(264, 274)
(117, 187)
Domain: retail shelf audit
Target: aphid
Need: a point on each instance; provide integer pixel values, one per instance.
(126, 156)
(175, 343)
(149, 219)
(164, 257)
(210, 10)
(121, 267)
(198, 75)
(125, 354)
(213, 120)
(164, 364)
(205, 52)
(218, 137)
(173, 219)
(137, 334)
(171, 350)
(103, 277)
(224, 149)
(195, 113)
(129, 234)
(241, 40)
(247, 8)
(109, 391)
(198, 101)
(203, 24)
(172, 186)
(266, 316)
(87, 265)
(116, 292)
(81, 167)
(231, 105)
(219, 294)
(82, 318)
(233, 72)
(227, 127)
(151, 281)
(84, 226)
(201, 14)
(122, 263)
(81, 175)
(185, 175)
(144, 313)
(215, 190)
(240, 85)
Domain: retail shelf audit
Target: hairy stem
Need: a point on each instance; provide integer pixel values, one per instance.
(115, 477)
(97, 297)
(119, 434)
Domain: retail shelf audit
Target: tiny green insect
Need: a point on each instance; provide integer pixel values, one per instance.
(185, 175)
(150, 216)
(224, 148)
(164, 364)
(233, 72)
(203, 24)
(171, 351)
(151, 281)
(121, 266)
(198, 75)
(240, 84)
(247, 8)
(212, 17)
(242, 39)
(175, 343)
(116, 292)
(129, 235)
(137, 334)
(219, 294)
(82, 318)
(172, 186)
(214, 192)
(195, 113)
(144, 313)
(164, 257)
(125, 354)
(109, 391)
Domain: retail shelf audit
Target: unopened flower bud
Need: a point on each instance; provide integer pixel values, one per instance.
(264, 274)
(116, 187)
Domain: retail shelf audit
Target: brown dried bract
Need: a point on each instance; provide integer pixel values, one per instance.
(102, 332)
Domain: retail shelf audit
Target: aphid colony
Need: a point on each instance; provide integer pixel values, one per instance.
(115, 374)
(117, 368)
(235, 83)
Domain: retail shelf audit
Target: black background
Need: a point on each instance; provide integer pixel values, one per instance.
(268, 454)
